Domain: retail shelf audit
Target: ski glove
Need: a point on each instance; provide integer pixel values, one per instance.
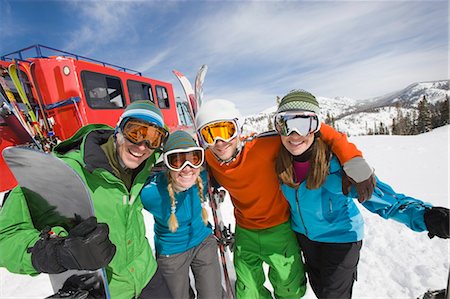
(358, 172)
(437, 222)
(80, 286)
(87, 247)
(364, 189)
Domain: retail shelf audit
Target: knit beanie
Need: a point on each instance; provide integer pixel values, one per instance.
(142, 110)
(179, 140)
(299, 100)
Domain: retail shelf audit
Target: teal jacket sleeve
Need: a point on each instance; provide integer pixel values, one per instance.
(399, 207)
(17, 234)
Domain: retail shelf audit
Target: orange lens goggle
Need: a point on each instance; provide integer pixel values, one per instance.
(223, 130)
(152, 135)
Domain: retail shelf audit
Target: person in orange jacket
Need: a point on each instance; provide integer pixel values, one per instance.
(246, 168)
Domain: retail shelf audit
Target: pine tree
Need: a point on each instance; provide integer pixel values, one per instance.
(394, 127)
(444, 114)
(424, 118)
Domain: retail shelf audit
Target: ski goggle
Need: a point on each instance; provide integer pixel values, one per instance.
(224, 130)
(303, 123)
(152, 135)
(177, 159)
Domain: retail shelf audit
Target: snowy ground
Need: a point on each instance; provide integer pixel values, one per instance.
(395, 262)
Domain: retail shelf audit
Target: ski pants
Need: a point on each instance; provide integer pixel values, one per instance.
(204, 262)
(278, 248)
(156, 288)
(331, 267)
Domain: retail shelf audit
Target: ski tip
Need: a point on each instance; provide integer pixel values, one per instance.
(177, 73)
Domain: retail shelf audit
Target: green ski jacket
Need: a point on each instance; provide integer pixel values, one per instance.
(133, 264)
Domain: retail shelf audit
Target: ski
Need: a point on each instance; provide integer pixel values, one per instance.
(11, 118)
(224, 237)
(12, 70)
(57, 196)
(12, 104)
(189, 92)
(198, 85)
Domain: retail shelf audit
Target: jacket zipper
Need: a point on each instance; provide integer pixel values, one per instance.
(299, 212)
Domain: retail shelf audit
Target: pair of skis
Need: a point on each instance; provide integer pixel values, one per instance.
(28, 119)
(223, 235)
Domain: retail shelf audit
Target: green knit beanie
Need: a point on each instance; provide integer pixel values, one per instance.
(142, 110)
(299, 100)
(179, 140)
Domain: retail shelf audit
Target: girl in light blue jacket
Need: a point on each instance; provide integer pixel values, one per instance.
(183, 237)
(326, 219)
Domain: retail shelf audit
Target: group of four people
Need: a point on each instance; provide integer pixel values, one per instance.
(291, 192)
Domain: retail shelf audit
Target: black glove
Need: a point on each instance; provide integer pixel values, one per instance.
(81, 287)
(87, 247)
(437, 222)
(364, 188)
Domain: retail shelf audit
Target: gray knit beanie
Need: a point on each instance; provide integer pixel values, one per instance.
(299, 100)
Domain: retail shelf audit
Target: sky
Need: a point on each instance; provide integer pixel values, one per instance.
(255, 50)
(395, 262)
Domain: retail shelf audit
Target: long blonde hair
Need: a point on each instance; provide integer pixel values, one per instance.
(320, 160)
(173, 222)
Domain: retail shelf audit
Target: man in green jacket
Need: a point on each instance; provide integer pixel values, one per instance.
(114, 164)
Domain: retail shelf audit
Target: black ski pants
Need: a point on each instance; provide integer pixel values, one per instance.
(331, 267)
(156, 288)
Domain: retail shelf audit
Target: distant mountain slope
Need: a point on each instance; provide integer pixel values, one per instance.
(357, 117)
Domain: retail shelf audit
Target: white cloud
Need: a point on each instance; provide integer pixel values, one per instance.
(355, 49)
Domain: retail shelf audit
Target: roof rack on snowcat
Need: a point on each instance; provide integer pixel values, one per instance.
(39, 54)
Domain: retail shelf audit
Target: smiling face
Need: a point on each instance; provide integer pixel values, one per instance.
(297, 144)
(225, 150)
(185, 178)
(132, 155)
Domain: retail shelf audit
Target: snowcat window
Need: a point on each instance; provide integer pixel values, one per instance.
(163, 97)
(139, 91)
(102, 91)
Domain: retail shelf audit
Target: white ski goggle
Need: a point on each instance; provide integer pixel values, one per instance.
(178, 159)
(301, 122)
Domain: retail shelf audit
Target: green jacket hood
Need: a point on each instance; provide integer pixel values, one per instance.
(88, 140)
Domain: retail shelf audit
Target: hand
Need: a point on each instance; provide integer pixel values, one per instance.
(364, 188)
(359, 173)
(437, 222)
(87, 247)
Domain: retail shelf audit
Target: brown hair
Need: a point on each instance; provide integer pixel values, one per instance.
(320, 160)
(173, 222)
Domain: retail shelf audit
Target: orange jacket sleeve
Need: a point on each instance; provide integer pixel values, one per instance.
(340, 146)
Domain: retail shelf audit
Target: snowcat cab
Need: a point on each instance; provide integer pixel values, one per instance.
(47, 98)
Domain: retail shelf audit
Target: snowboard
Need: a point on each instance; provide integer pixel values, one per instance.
(57, 196)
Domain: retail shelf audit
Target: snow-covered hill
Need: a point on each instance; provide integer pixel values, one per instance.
(395, 262)
(357, 117)
(434, 91)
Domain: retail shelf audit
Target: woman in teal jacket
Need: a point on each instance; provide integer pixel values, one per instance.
(183, 236)
(327, 222)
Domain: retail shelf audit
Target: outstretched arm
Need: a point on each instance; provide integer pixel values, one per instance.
(414, 213)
